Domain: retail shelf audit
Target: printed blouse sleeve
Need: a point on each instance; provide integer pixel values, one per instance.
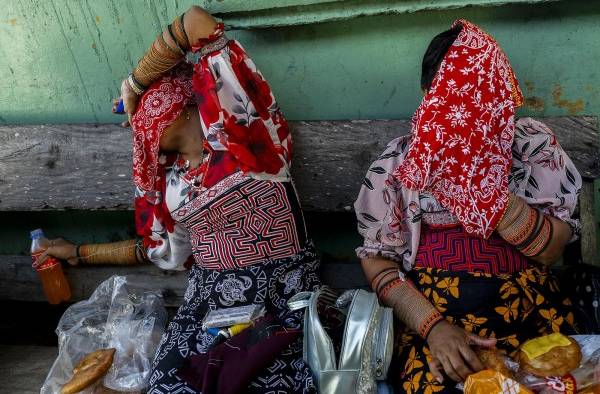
(380, 209)
(167, 242)
(543, 174)
(173, 251)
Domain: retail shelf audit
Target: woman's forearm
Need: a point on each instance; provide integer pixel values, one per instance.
(166, 51)
(538, 236)
(171, 46)
(399, 293)
(127, 252)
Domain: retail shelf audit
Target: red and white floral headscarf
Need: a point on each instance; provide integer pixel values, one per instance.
(463, 131)
(158, 108)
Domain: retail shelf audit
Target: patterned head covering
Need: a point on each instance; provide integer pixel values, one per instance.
(158, 108)
(463, 132)
(238, 111)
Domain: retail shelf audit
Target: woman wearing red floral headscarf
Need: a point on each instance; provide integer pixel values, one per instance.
(211, 160)
(462, 218)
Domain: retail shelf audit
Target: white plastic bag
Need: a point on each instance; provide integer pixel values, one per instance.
(119, 314)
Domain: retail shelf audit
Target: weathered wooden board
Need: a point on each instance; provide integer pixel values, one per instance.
(53, 167)
(19, 282)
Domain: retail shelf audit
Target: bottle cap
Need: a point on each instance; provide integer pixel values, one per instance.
(37, 233)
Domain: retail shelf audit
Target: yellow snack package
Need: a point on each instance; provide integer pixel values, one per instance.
(492, 382)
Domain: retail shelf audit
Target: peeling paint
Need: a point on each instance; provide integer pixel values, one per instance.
(529, 86)
(534, 103)
(98, 19)
(572, 107)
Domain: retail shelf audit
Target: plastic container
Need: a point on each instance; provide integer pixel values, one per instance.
(55, 285)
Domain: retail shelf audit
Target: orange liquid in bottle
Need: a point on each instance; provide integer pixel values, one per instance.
(54, 283)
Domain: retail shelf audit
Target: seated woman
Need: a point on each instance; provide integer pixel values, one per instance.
(211, 159)
(462, 218)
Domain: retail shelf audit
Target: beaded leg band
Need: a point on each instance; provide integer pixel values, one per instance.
(116, 253)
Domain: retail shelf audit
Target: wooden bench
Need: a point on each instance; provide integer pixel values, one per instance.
(88, 167)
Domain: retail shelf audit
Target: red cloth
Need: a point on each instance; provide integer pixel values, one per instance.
(453, 249)
(230, 366)
(463, 132)
(157, 109)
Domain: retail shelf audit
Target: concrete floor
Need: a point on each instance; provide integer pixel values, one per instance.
(23, 369)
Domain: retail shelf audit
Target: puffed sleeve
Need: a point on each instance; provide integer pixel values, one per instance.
(167, 242)
(542, 173)
(388, 217)
(173, 250)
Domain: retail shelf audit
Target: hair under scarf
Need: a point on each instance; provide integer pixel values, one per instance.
(462, 132)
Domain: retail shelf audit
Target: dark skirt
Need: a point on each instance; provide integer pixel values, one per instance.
(512, 308)
(271, 284)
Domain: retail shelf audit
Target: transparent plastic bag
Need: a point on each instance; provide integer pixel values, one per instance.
(119, 314)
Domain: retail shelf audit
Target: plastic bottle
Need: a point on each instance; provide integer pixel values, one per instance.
(55, 285)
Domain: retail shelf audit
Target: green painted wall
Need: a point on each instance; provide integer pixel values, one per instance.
(63, 60)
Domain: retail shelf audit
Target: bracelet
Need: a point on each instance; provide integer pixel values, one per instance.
(170, 29)
(514, 207)
(385, 270)
(77, 253)
(541, 240)
(524, 227)
(380, 286)
(176, 51)
(539, 222)
(117, 253)
(389, 286)
(427, 324)
(187, 39)
(135, 85)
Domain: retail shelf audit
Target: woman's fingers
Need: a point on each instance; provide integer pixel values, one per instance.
(449, 369)
(42, 258)
(127, 122)
(481, 341)
(459, 365)
(471, 358)
(434, 367)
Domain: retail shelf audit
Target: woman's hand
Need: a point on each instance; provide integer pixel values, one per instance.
(451, 351)
(130, 100)
(62, 250)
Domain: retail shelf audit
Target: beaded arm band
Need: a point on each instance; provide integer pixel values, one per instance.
(528, 229)
(116, 253)
(409, 305)
(160, 57)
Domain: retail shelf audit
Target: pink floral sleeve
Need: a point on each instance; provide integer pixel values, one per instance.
(387, 215)
(542, 173)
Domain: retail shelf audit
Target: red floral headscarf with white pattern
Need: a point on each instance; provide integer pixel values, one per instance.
(158, 108)
(463, 132)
